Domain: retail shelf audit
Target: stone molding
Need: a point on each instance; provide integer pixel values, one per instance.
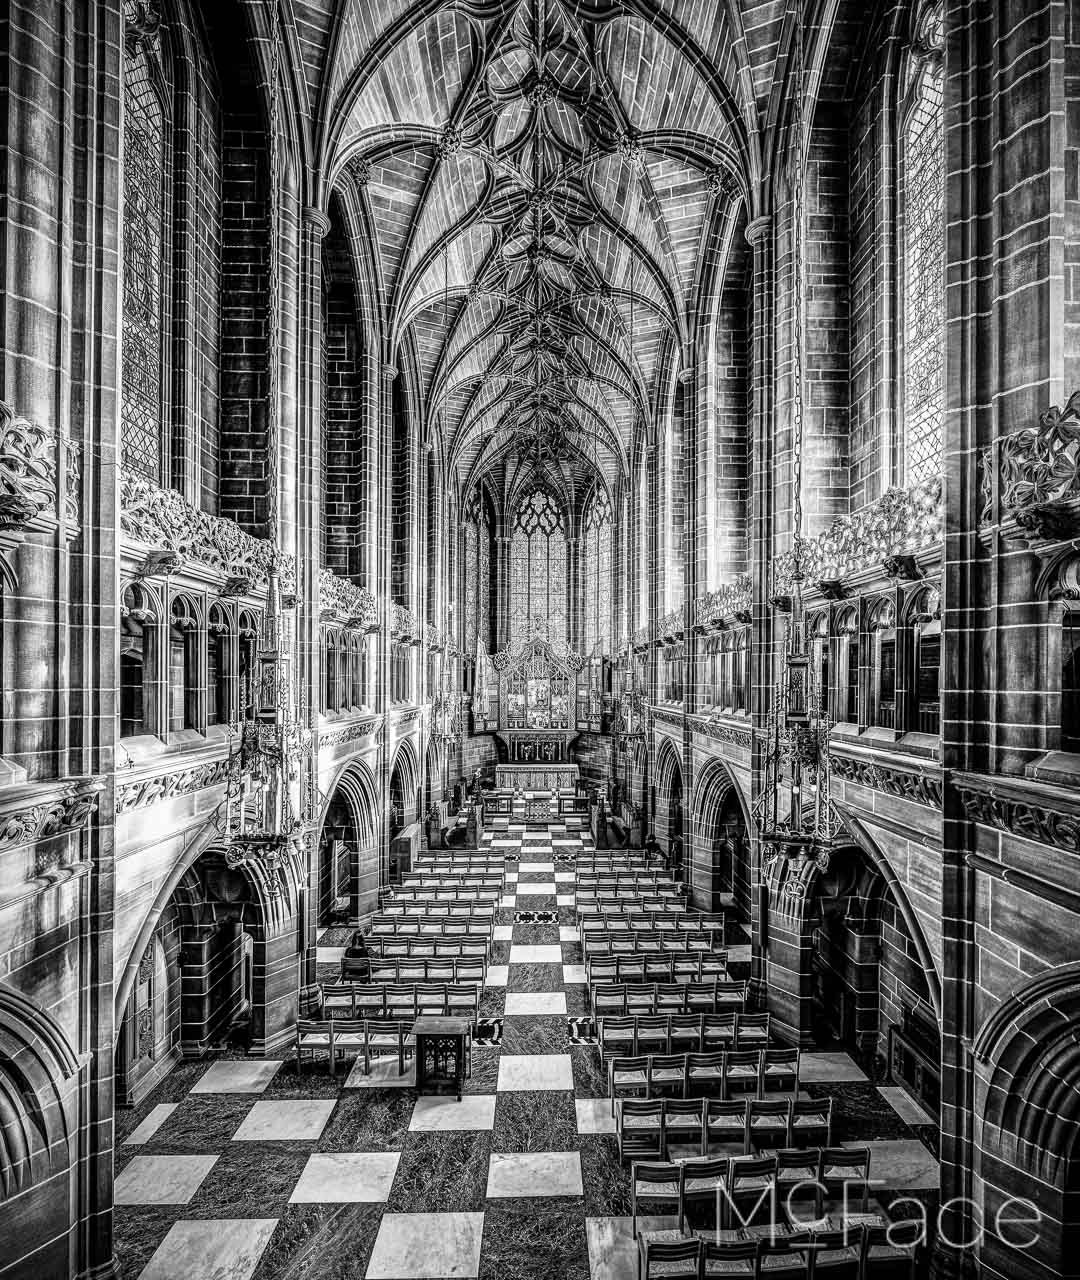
(39, 478)
(921, 788)
(36, 813)
(730, 604)
(719, 731)
(163, 519)
(351, 732)
(143, 792)
(403, 623)
(1031, 811)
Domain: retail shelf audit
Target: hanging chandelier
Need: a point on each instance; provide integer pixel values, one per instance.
(793, 813)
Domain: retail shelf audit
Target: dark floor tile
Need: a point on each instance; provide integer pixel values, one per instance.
(492, 1002)
(535, 977)
(532, 1243)
(535, 1033)
(315, 1081)
(544, 1121)
(860, 1112)
(441, 1173)
(251, 1180)
(536, 935)
(485, 1069)
(321, 1242)
(137, 1232)
(590, 1078)
(576, 1002)
(369, 1120)
(606, 1182)
(202, 1122)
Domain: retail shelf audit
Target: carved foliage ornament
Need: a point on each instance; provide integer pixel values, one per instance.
(1027, 819)
(28, 469)
(1037, 469)
(731, 601)
(344, 601)
(148, 791)
(918, 787)
(163, 518)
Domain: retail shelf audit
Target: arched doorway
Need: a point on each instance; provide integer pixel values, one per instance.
(403, 830)
(721, 853)
(668, 806)
(349, 849)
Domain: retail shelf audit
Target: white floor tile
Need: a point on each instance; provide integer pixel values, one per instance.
(902, 1164)
(384, 1075)
(329, 955)
(247, 1075)
(528, 953)
(503, 932)
(508, 900)
(572, 974)
(211, 1249)
(524, 1003)
(445, 1114)
(901, 1102)
(170, 1179)
(347, 1177)
(540, 1071)
(613, 1251)
(594, 1115)
(535, 888)
(565, 900)
(515, 1175)
(146, 1129)
(565, 877)
(288, 1120)
(498, 974)
(420, 1246)
(569, 933)
(536, 868)
(829, 1068)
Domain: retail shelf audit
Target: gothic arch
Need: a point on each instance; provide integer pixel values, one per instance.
(358, 787)
(407, 772)
(719, 838)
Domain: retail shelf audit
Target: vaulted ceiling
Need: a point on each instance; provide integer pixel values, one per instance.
(550, 187)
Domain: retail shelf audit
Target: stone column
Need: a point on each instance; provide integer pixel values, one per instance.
(760, 237)
(313, 229)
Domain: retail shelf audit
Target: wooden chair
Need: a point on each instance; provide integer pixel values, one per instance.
(836, 1255)
(730, 1257)
(780, 1071)
(718, 1030)
(797, 1181)
(667, 1075)
(703, 1181)
(659, 1181)
(784, 1257)
(641, 1129)
(751, 1182)
(886, 1258)
(617, 1034)
(705, 1072)
(348, 1040)
(684, 1032)
(742, 1072)
(752, 1031)
(768, 1119)
(669, 1255)
(726, 1131)
(684, 1129)
(386, 1035)
(842, 1167)
(609, 1000)
(627, 1075)
(811, 1122)
(652, 1033)
(314, 1039)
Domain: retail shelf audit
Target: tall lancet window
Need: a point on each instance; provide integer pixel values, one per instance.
(596, 563)
(538, 570)
(477, 575)
(923, 175)
(145, 237)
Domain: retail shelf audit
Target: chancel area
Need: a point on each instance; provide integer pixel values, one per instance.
(540, 632)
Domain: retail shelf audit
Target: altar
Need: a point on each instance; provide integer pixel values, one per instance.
(536, 777)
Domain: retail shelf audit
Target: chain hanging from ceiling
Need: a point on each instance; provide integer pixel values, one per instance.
(793, 813)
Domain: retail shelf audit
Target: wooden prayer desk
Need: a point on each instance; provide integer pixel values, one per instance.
(441, 1053)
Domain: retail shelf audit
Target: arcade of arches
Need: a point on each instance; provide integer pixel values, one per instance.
(429, 429)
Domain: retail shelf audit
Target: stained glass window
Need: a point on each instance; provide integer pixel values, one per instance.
(144, 240)
(642, 534)
(538, 570)
(597, 573)
(924, 255)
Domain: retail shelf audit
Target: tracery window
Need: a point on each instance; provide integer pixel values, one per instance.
(922, 142)
(477, 576)
(538, 570)
(145, 233)
(597, 566)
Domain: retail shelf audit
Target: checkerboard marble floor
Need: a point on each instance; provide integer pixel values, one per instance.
(247, 1170)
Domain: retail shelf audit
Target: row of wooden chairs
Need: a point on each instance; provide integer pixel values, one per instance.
(723, 1072)
(711, 932)
(432, 926)
(859, 1251)
(459, 864)
(591, 860)
(692, 1128)
(341, 1038)
(603, 941)
(461, 908)
(653, 966)
(460, 880)
(471, 969)
(389, 945)
(444, 899)
(774, 1183)
(614, 999)
(625, 881)
(400, 1000)
(638, 905)
(647, 1033)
